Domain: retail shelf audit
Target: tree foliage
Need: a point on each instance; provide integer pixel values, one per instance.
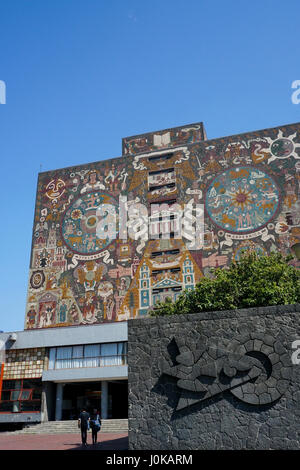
(253, 281)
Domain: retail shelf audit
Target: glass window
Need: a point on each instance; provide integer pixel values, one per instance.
(92, 350)
(77, 356)
(91, 354)
(64, 352)
(32, 383)
(5, 395)
(109, 349)
(77, 351)
(25, 395)
(31, 406)
(6, 406)
(27, 391)
(122, 352)
(36, 393)
(18, 384)
(8, 384)
(15, 395)
(64, 357)
(52, 356)
(109, 354)
(121, 348)
(11, 385)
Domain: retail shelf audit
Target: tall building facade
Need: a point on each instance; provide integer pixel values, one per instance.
(113, 238)
(77, 277)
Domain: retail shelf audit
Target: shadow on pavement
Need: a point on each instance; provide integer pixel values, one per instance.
(112, 444)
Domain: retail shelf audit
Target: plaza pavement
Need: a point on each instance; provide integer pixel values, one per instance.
(108, 442)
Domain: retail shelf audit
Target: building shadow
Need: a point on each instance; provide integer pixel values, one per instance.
(120, 443)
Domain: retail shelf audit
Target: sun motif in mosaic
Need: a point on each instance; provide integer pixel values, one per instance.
(242, 199)
(283, 147)
(80, 222)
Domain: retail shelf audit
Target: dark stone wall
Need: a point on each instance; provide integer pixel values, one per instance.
(217, 380)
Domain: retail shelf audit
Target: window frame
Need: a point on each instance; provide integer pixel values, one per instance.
(19, 395)
(83, 360)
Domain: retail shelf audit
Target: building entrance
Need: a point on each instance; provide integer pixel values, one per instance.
(88, 395)
(118, 399)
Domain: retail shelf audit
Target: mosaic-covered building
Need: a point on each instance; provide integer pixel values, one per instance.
(100, 255)
(248, 184)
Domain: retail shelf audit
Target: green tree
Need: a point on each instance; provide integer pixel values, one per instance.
(253, 281)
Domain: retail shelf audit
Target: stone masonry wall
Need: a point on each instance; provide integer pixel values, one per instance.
(217, 380)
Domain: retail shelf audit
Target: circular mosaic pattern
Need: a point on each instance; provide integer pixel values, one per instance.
(80, 221)
(37, 279)
(282, 148)
(248, 247)
(242, 199)
(271, 363)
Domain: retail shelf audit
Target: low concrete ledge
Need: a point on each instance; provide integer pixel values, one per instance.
(8, 418)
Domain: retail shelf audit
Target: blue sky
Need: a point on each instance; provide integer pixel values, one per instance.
(82, 74)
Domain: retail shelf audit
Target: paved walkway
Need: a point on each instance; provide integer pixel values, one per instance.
(10, 441)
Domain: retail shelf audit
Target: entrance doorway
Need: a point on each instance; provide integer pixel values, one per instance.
(87, 395)
(118, 399)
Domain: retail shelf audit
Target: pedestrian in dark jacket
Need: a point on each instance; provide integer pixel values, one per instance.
(83, 424)
(95, 425)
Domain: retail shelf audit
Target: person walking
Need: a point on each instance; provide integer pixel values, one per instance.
(95, 425)
(83, 424)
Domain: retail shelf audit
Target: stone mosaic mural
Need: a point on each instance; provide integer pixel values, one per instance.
(162, 139)
(215, 380)
(249, 186)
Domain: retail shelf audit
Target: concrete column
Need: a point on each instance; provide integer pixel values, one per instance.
(48, 401)
(44, 408)
(59, 401)
(104, 400)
